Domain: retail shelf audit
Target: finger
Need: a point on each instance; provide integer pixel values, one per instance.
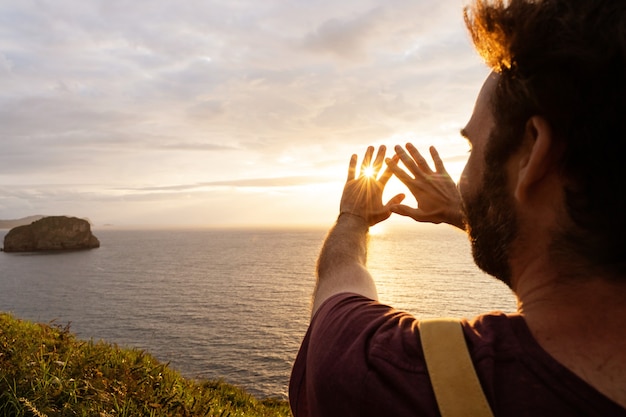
(367, 159)
(408, 161)
(399, 172)
(388, 172)
(352, 167)
(419, 159)
(441, 169)
(380, 157)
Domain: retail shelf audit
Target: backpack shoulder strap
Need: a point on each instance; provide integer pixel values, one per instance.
(451, 371)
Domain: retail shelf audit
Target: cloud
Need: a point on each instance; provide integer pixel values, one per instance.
(111, 95)
(196, 146)
(6, 65)
(271, 182)
(38, 116)
(345, 38)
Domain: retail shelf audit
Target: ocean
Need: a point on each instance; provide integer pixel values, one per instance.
(232, 304)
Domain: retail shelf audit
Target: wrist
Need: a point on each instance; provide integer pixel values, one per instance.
(353, 219)
(457, 219)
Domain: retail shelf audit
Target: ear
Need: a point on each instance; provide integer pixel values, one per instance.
(537, 157)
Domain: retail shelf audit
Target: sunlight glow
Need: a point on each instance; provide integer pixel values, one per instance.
(369, 172)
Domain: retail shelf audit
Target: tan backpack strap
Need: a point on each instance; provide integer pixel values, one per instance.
(451, 371)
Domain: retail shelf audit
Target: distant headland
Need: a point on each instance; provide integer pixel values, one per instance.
(49, 234)
(10, 224)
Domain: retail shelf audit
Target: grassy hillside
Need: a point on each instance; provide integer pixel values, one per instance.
(46, 371)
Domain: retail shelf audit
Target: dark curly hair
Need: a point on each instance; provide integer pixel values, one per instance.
(565, 60)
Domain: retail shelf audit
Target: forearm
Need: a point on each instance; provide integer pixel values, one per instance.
(345, 244)
(342, 262)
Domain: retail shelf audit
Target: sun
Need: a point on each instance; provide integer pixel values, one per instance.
(369, 171)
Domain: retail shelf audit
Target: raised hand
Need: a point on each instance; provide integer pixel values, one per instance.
(362, 194)
(438, 199)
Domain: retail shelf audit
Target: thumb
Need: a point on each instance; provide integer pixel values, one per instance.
(414, 213)
(402, 210)
(395, 200)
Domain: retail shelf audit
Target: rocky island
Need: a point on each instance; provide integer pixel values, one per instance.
(51, 233)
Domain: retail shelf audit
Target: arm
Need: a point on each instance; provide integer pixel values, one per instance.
(438, 198)
(341, 264)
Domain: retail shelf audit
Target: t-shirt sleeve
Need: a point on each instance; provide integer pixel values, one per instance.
(360, 358)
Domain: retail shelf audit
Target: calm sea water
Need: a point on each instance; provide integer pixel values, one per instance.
(231, 304)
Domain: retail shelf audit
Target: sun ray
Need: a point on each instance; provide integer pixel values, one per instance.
(369, 171)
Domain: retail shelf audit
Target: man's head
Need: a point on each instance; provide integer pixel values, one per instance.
(565, 61)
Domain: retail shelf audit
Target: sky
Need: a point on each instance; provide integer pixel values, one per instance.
(219, 113)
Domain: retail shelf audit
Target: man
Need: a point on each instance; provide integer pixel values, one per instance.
(544, 202)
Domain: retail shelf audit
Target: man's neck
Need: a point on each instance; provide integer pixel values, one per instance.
(581, 324)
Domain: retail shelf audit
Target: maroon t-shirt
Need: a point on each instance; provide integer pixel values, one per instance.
(363, 358)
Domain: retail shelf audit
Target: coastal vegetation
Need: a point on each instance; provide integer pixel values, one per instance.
(45, 370)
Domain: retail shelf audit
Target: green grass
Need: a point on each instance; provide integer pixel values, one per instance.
(46, 371)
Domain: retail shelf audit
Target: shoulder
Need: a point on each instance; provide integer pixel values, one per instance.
(496, 332)
(513, 367)
(363, 352)
(356, 320)
(349, 315)
(394, 334)
(359, 357)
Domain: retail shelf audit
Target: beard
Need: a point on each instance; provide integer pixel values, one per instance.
(492, 223)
